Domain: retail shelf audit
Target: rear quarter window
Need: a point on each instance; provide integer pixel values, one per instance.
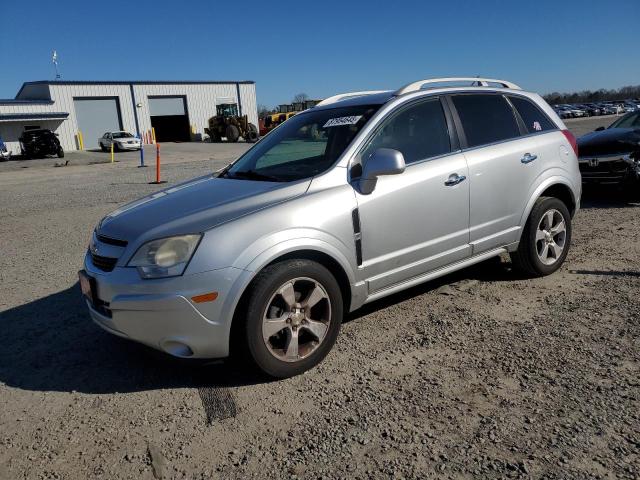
(534, 119)
(486, 118)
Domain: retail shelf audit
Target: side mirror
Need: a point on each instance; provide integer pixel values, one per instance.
(384, 161)
(599, 129)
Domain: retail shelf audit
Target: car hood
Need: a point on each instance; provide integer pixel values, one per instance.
(195, 206)
(609, 142)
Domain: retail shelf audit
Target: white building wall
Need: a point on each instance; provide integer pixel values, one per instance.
(201, 101)
(201, 105)
(63, 96)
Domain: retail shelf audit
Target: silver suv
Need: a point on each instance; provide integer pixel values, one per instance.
(360, 197)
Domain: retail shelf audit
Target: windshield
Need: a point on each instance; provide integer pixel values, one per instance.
(303, 146)
(631, 120)
(122, 135)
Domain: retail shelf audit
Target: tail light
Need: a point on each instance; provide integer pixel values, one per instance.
(572, 140)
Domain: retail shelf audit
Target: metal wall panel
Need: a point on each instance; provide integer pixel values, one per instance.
(95, 117)
(201, 103)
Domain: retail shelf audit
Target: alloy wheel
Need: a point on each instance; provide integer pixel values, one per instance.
(551, 236)
(296, 319)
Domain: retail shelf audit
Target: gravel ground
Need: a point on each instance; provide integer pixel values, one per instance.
(481, 374)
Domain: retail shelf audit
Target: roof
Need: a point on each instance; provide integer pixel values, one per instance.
(22, 101)
(376, 97)
(16, 117)
(135, 82)
(373, 99)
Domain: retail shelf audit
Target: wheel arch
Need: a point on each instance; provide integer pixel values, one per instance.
(558, 187)
(335, 266)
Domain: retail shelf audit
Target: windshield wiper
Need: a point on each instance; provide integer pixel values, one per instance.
(251, 175)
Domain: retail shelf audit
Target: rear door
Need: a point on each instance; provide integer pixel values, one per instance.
(502, 167)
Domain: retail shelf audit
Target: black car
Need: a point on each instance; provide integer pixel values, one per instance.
(612, 155)
(41, 142)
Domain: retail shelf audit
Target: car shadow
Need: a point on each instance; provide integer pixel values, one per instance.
(51, 344)
(606, 273)
(608, 196)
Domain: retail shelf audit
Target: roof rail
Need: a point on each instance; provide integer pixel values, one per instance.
(481, 82)
(344, 96)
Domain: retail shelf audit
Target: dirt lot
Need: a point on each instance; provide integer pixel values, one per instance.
(478, 375)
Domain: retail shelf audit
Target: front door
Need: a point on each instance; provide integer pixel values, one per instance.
(417, 221)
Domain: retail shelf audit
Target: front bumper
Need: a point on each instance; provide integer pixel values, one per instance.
(612, 169)
(160, 313)
(129, 146)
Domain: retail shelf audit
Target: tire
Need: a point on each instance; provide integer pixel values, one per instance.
(215, 137)
(530, 254)
(103, 148)
(232, 133)
(272, 355)
(251, 136)
(631, 189)
(60, 152)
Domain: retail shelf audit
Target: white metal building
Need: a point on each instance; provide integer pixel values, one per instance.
(177, 111)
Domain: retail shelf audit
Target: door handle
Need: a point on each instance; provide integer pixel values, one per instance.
(454, 179)
(528, 158)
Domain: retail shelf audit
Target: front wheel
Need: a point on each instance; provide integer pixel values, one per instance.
(545, 240)
(251, 136)
(292, 318)
(233, 133)
(60, 152)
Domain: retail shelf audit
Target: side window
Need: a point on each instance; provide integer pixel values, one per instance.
(486, 118)
(534, 119)
(418, 131)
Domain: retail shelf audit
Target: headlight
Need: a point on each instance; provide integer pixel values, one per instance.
(166, 257)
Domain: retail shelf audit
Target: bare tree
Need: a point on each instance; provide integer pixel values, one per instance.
(623, 93)
(300, 98)
(263, 110)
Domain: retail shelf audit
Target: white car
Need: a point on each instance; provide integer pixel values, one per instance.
(120, 140)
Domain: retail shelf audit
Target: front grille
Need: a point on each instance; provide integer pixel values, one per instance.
(111, 241)
(105, 264)
(605, 169)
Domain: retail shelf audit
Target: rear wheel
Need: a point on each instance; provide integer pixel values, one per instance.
(292, 318)
(232, 133)
(545, 240)
(60, 152)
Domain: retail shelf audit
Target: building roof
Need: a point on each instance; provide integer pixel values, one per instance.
(23, 101)
(17, 117)
(134, 82)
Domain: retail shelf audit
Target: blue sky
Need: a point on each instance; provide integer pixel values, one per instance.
(324, 47)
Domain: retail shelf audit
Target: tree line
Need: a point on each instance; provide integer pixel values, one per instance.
(589, 96)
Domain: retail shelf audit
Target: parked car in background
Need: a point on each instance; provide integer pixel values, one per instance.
(39, 143)
(612, 155)
(364, 195)
(590, 110)
(606, 109)
(121, 141)
(563, 112)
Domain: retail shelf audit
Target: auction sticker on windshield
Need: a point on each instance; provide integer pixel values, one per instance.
(337, 122)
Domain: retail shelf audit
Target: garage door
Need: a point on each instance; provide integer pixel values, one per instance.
(95, 117)
(169, 119)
